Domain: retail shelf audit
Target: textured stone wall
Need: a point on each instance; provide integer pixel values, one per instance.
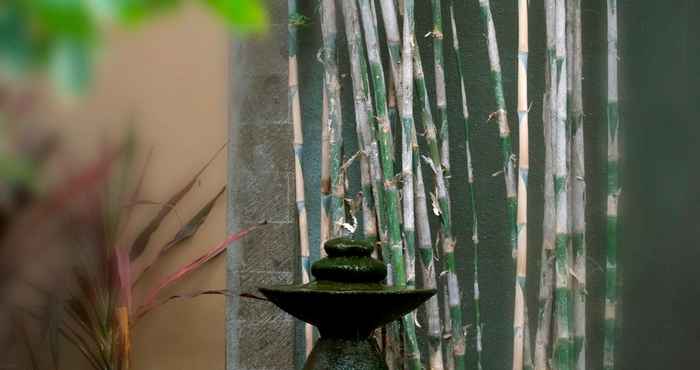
(260, 336)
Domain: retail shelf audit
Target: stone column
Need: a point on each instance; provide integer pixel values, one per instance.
(261, 188)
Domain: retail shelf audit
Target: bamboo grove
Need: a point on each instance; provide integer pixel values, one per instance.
(406, 182)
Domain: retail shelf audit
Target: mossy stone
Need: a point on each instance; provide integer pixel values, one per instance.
(349, 270)
(345, 247)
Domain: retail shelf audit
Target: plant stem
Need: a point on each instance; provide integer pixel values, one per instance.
(335, 120)
(578, 188)
(325, 227)
(519, 316)
(613, 191)
(563, 348)
(364, 113)
(455, 341)
(503, 128)
(440, 90)
(471, 187)
(407, 145)
(427, 259)
(295, 104)
(546, 292)
(425, 240)
(393, 39)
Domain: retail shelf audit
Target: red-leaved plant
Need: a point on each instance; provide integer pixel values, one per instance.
(85, 218)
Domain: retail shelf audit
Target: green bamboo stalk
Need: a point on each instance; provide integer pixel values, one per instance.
(471, 188)
(546, 292)
(399, 266)
(578, 189)
(563, 346)
(393, 343)
(370, 168)
(376, 74)
(407, 145)
(427, 262)
(519, 316)
(440, 90)
(613, 190)
(331, 79)
(455, 341)
(325, 227)
(295, 111)
(501, 115)
(393, 41)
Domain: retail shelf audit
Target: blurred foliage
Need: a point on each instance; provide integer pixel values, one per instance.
(59, 37)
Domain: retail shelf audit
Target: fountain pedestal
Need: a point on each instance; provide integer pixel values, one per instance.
(346, 303)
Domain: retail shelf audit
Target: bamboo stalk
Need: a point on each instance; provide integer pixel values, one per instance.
(578, 190)
(501, 115)
(407, 145)
(393, 40)
(563, 346)
(546, 292)
(392, 348)
(427, 262)
(455, 341)
(371, 178)
(331, 79)
(376, 74)
(325, 227)
(398, 265)
(519, 316)
(613, 190)
(295, 105)
(440, 90)
(471, 188)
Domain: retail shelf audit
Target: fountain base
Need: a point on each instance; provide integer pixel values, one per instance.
(345, 354)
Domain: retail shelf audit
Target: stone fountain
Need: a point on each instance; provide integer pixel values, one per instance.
(346, 303)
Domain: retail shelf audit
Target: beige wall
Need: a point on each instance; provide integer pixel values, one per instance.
(171, 80)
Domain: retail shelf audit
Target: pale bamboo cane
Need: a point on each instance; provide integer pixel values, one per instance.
(613, 190)
(295, 111)
(578, 189)
(440, 89)
(519, 316)
(563, 346)
(546, 292)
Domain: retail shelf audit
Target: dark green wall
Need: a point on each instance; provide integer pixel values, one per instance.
(659, 48)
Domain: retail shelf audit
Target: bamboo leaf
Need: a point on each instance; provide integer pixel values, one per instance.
(141, 242)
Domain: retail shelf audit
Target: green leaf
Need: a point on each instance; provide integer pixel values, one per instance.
(134, 11)
(15, 39)
(63, 18)
(242, 15)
